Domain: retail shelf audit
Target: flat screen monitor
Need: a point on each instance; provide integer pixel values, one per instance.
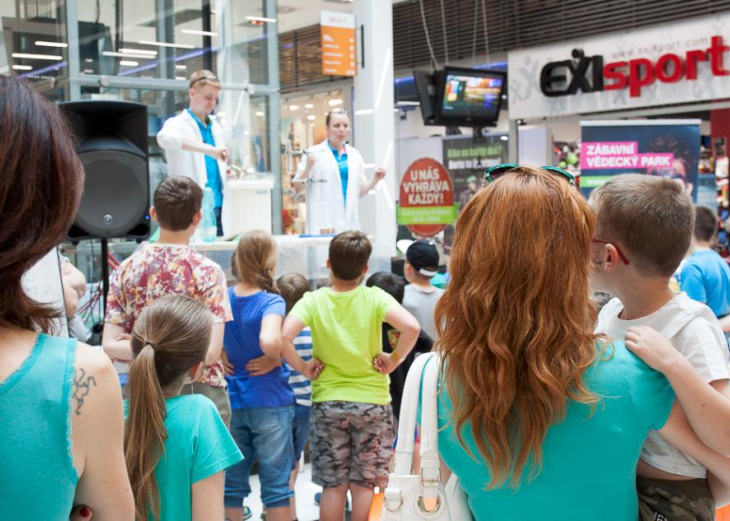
(470, 97)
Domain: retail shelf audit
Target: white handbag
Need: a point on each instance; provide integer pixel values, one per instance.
(409, 496)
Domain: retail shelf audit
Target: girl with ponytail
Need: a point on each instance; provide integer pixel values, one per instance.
(176, 446)
(262, 402)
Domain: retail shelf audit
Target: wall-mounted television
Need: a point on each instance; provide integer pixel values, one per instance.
(469, 97)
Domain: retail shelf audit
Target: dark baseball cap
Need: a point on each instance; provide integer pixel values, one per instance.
(422, 255)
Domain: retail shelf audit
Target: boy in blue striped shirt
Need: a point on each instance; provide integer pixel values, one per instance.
(292, 287)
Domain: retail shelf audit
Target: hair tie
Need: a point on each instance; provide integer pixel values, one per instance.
(151, 344)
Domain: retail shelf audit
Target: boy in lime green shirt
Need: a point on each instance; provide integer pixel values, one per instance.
(352, 428)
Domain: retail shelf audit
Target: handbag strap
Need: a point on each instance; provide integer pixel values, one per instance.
(430, 461)
(408, 413)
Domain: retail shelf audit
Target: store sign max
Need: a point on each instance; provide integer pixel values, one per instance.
(589, 74)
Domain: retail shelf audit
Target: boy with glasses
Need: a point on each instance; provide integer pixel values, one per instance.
(644, 229)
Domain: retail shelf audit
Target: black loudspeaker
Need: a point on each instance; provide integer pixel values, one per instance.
(112, 145)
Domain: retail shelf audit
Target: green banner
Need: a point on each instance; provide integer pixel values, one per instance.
(594, 181)
(427, 214)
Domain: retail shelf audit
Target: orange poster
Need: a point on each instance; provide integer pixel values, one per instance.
(338, 44)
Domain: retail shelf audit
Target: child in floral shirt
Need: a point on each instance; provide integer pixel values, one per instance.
(172, 267)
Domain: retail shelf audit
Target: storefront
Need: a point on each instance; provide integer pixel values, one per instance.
(674, 76)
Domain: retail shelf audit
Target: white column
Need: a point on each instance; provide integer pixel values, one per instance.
(374, 125)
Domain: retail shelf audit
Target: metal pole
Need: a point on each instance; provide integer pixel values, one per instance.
(273, 108)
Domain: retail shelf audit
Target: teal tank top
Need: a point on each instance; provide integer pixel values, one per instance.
(37, 476)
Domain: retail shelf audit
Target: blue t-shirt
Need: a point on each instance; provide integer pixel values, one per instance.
(706, 278)
(198, 445)
(300, 384)
(211, 164)
(242, 345)
(589, 461)
(344, 170)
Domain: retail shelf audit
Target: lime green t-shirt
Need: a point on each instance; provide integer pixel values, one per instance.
(346, 337)
(198, 446)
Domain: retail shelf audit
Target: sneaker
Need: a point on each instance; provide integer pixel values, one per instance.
(247, 514)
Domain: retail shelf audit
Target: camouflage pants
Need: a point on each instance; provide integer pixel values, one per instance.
(351, 443)
(661, 500)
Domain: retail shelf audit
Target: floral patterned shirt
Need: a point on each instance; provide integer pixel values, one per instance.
(156, 270)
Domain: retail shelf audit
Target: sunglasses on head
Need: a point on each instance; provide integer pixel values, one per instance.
(493, 172)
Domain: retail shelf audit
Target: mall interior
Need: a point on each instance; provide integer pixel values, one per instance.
(403, 110)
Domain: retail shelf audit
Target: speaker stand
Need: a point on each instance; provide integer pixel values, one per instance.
(105, 271)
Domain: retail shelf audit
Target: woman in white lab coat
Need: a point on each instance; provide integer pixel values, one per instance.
(333, 173)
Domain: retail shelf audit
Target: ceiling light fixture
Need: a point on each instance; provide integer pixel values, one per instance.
(293, 107)
(181, 67)
(311, 117)
(260, 114)
(137, 51)
(165, 44)
(335, 102)
(127, 55)
(261, 19)
(308, 106)
(50, 57)
(22, 67)
(199, 33)
(51, 44)
(128, 62)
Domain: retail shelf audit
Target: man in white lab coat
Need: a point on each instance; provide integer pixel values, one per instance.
(193, 141)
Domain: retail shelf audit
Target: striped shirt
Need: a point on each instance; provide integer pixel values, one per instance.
(299, 383)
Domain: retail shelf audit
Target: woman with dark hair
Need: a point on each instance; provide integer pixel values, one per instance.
(61, 420)
(539, 418)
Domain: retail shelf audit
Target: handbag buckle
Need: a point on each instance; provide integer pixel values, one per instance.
(395, 508)
(431, 482)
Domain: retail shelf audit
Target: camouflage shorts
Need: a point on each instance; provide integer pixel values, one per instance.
(351, 443)
(661, 500)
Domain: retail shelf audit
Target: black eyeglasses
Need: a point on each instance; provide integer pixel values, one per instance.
(491, 173)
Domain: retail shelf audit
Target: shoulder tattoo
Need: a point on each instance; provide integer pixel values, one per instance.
(82, 387)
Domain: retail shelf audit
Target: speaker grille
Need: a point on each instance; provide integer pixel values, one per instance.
(113, 202)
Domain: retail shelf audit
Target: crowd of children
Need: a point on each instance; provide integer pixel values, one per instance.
(346, 336)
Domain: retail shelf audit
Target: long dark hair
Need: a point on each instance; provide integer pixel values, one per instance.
(170, 337)
(41, 179)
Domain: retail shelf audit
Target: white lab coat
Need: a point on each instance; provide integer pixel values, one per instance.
(191, 164)
(325, 207)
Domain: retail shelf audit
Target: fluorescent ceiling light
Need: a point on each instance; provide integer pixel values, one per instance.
(127, 55)
(308, 106)
(22, 67)
(50, 57)
(260, 114)
(181, 67)
(88, 71)
(128, 62)
(165, 44)
(181, 78)
(293, 107)
(138, 51)
(50, 44)
(335, 102)
(261, 19)
(311, 117)
(89, 60)
(504, 138)
(199, 33)
(408, 103)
